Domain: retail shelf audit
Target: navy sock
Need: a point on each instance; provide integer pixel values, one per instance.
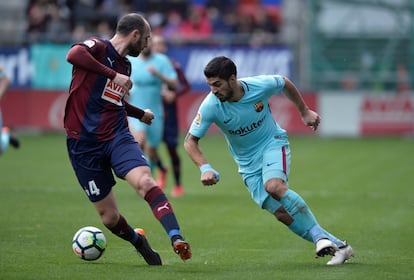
(160, 165)
(176, 164)
(163, 211)
(125, 231)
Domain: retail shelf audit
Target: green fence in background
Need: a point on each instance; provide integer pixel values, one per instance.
(365, 44)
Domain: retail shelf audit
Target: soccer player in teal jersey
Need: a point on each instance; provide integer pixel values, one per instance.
(171, 129)
(150, 72)
(260, 147)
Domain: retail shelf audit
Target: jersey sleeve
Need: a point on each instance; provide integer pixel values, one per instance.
(84, 55)
(275, 84)
(204, 118)
(280, 82)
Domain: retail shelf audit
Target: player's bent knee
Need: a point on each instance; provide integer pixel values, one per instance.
(141, 179)
(276, 188)
(146, 182)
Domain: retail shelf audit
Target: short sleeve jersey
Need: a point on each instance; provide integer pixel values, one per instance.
(247, 124)
(146, 90)
(95, 110)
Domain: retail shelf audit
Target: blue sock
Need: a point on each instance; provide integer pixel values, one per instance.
(297, 228)
(304, 223)
(4, 140)
(317, 233)
(174, 232)
(335, 240)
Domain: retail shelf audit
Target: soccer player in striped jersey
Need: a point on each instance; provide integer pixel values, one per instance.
(99, 142)
(260, 147)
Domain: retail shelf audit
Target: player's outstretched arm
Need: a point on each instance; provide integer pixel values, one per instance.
(309, 117)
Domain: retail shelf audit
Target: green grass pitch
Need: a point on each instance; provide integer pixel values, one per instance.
(361, 190)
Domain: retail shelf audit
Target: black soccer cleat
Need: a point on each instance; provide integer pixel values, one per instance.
(149, 255)
(14, 142)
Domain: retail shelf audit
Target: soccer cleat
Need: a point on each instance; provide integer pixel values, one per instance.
(149, 255)
(162, 179)
(141, 232)
(177, 191)
(182, 248)
(325, 247)
(342, 255)
(14, 142)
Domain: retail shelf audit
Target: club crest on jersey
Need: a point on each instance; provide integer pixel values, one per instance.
(258, 107)
(113, 93)
(89, 43)
(197, 119)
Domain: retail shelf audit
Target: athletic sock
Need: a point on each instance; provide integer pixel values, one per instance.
(5, 139)
(335, 240)
(297, 229)
(303, 219)
(163, 211)
(305, 224)
(125, 231)
(160, 165)
(176, 165)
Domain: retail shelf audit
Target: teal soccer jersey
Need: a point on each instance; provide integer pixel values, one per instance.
(146, 90)
(247, 124)
(146, 93)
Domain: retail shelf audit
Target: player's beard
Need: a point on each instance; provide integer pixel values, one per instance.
(134, 49)
(146, 52)
(228, 93)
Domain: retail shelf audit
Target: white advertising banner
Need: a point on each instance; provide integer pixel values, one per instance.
(362, 114)
(339, 113)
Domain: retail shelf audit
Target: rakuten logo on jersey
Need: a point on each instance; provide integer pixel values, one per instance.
(113, 93)
(244, 130)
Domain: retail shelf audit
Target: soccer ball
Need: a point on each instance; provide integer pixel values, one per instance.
(89, 243)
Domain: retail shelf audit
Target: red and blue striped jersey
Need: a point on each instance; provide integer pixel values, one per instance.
(95, 109)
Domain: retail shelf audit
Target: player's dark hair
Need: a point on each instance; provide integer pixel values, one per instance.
(130, 22)
(221, 67)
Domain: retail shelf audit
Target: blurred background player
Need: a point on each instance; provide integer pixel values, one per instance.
(150, 71)
(6, 138)
(171, 129)
(99, 142)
